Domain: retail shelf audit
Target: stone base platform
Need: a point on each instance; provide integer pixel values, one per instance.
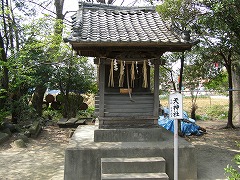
(84, 153)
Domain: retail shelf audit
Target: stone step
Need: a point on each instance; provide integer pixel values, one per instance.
(133, 165)
(35, 129)
(135, 176)
(71, 121)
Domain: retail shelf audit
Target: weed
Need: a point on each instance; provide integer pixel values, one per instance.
(233, 173)
(51, 114)
(218, 112)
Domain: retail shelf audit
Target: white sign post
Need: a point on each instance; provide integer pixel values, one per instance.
(175, 112)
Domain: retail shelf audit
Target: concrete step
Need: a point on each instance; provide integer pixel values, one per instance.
(135, 176)
(129, 135)
(133, 165)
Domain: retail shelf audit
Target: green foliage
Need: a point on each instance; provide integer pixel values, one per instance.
(202, 117)
(73, 74)
(219, 82)
(51, 114)
(3, 93)
(86, 113)
(23, 110)
(182, 13)
(218, 112)
(225, 13)
(70, 104)
(233, 174)
(3, 115)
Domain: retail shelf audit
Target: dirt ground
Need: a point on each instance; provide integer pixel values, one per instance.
(215, 149)
(43, 159)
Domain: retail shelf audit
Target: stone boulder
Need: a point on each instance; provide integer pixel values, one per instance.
(19, 143)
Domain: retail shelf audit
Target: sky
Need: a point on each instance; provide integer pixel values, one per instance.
(73, 4)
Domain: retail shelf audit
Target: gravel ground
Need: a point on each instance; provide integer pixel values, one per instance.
(42, 159)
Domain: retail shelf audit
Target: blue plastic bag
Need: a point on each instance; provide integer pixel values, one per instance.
(188, 126)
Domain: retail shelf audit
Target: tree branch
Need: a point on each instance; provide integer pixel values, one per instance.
(40, 5)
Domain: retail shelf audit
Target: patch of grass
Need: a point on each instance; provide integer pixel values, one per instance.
(208, 108)
(89, 112)
(52, 114)
(219, 112)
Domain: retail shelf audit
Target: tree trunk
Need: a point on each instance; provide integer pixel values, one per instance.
(230, 87)
(58, 29)
(5, 78)
(193, 111)
(228, 65)
(181, 73)
(180, 89)
(37, 100)
(236, 94)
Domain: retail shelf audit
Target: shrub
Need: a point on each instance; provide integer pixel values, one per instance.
(89, 112)
(51, 114)
(217, 112)
(203, 117)
(23, 110)
(3, 115)
(233, 173)
(70, 104)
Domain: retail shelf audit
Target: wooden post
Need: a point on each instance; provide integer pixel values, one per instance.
(156, 90)
(101, 86)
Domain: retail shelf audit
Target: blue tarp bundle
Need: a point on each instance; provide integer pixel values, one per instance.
(188, 126)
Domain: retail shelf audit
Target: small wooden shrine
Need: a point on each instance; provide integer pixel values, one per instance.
(127, 44)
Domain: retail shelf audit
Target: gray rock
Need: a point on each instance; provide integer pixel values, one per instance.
(70, 133)
(10, 126)
(7, 131)
(35, 129)
(23, 137)
(3, 137)
(19, 143)
(27, 133)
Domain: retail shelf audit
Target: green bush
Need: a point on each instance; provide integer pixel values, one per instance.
(233, 174)
(89, 112)
(203, 117)
(3, 115)
(23, 110)
(51, 114)
(70, 104)
(218, 112)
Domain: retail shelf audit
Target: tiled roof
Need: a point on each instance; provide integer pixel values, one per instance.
(95, 23)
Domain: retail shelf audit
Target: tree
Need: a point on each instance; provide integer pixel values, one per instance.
(219, 82)
(215, 24)
(227, 13)
(4, 46)
(223, 42)
(9, 46)
(73, 77)
(58, 30)
(197, 71)
(182, 15)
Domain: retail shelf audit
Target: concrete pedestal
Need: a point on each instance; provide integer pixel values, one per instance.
(83, 155)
